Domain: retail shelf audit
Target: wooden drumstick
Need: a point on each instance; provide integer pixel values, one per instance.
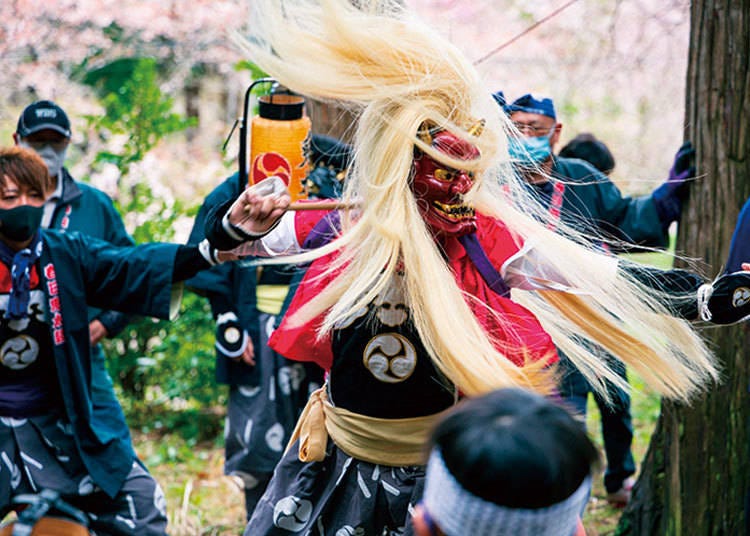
(318, 205)
(324, 205)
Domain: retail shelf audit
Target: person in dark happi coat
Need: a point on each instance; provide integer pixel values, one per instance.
(583, 196)
(51, 436)
(44, 127)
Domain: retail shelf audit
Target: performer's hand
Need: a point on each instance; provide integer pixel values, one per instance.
(248, 355)
(259, 207)
(97, 332)
(746, 266)
(683, 167)
(668, 197)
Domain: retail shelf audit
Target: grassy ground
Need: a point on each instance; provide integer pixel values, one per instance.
(601, 518)
(200, 499)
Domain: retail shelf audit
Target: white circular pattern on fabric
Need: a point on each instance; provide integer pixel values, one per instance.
(348, 530)
(10, 422)
(390, 307)
(390, 357)
(86, 486)
(249, 392)
(19, 352)
(290, 378)
(741, 297)
(275, 438)
(232, 335)
(292, 513)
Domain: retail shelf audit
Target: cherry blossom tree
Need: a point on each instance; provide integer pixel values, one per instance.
(46, 41)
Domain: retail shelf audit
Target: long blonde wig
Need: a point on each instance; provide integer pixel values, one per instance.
(397, 74)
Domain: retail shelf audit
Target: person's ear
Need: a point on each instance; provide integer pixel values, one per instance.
(555, 135)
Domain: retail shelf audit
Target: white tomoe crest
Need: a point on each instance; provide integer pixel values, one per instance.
(292, 513)
(390, 357)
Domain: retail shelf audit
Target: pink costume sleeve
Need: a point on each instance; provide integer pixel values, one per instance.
(301, 342)
(515, 330)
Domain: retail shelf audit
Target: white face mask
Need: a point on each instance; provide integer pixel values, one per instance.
(54, 159)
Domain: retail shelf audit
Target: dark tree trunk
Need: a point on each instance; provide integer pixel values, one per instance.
(695, 476)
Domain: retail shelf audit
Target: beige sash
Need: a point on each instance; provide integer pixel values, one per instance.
(395, 442)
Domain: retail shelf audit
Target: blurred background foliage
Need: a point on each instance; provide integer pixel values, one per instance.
(161, 367)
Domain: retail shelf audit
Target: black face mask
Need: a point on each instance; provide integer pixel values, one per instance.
(20, 223)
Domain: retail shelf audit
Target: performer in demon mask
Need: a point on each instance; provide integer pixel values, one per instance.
(407, 302)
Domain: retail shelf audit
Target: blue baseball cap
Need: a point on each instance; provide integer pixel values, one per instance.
(529, 104)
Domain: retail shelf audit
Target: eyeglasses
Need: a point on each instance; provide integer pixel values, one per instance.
(449, 175)
(532, 129)
(38, 145)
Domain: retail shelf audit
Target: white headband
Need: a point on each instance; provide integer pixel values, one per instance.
(459, 512)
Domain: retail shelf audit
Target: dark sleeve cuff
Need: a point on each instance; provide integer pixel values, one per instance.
(680, 286)
(215, 232)
(220, 304)
(114, 322)
(188, 262)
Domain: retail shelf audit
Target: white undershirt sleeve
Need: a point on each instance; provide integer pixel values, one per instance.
(529, 269)
(282, 240)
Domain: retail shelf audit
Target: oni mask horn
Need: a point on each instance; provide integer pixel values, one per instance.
(477, 128)
(425, 133)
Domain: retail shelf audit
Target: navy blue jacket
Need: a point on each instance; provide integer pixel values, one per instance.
(229, 287)
(592, 202)
(90, 211)
(79, 271)
(739, 250)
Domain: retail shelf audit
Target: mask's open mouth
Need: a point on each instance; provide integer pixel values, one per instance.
(454, 211)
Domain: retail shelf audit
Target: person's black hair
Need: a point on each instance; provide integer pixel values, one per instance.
(586, 147)
(515, 448)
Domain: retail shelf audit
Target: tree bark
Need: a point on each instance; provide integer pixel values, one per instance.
(695, 475)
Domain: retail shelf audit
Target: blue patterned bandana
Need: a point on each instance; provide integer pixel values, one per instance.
(20, 263)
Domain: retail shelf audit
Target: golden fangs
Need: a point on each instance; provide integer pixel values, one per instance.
(458, 211)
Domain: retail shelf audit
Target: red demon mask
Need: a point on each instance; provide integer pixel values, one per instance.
(439, 190)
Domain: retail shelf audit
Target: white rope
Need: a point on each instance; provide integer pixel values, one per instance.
(704, 294)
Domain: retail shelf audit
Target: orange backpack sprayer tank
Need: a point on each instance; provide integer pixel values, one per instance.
(278, 136)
